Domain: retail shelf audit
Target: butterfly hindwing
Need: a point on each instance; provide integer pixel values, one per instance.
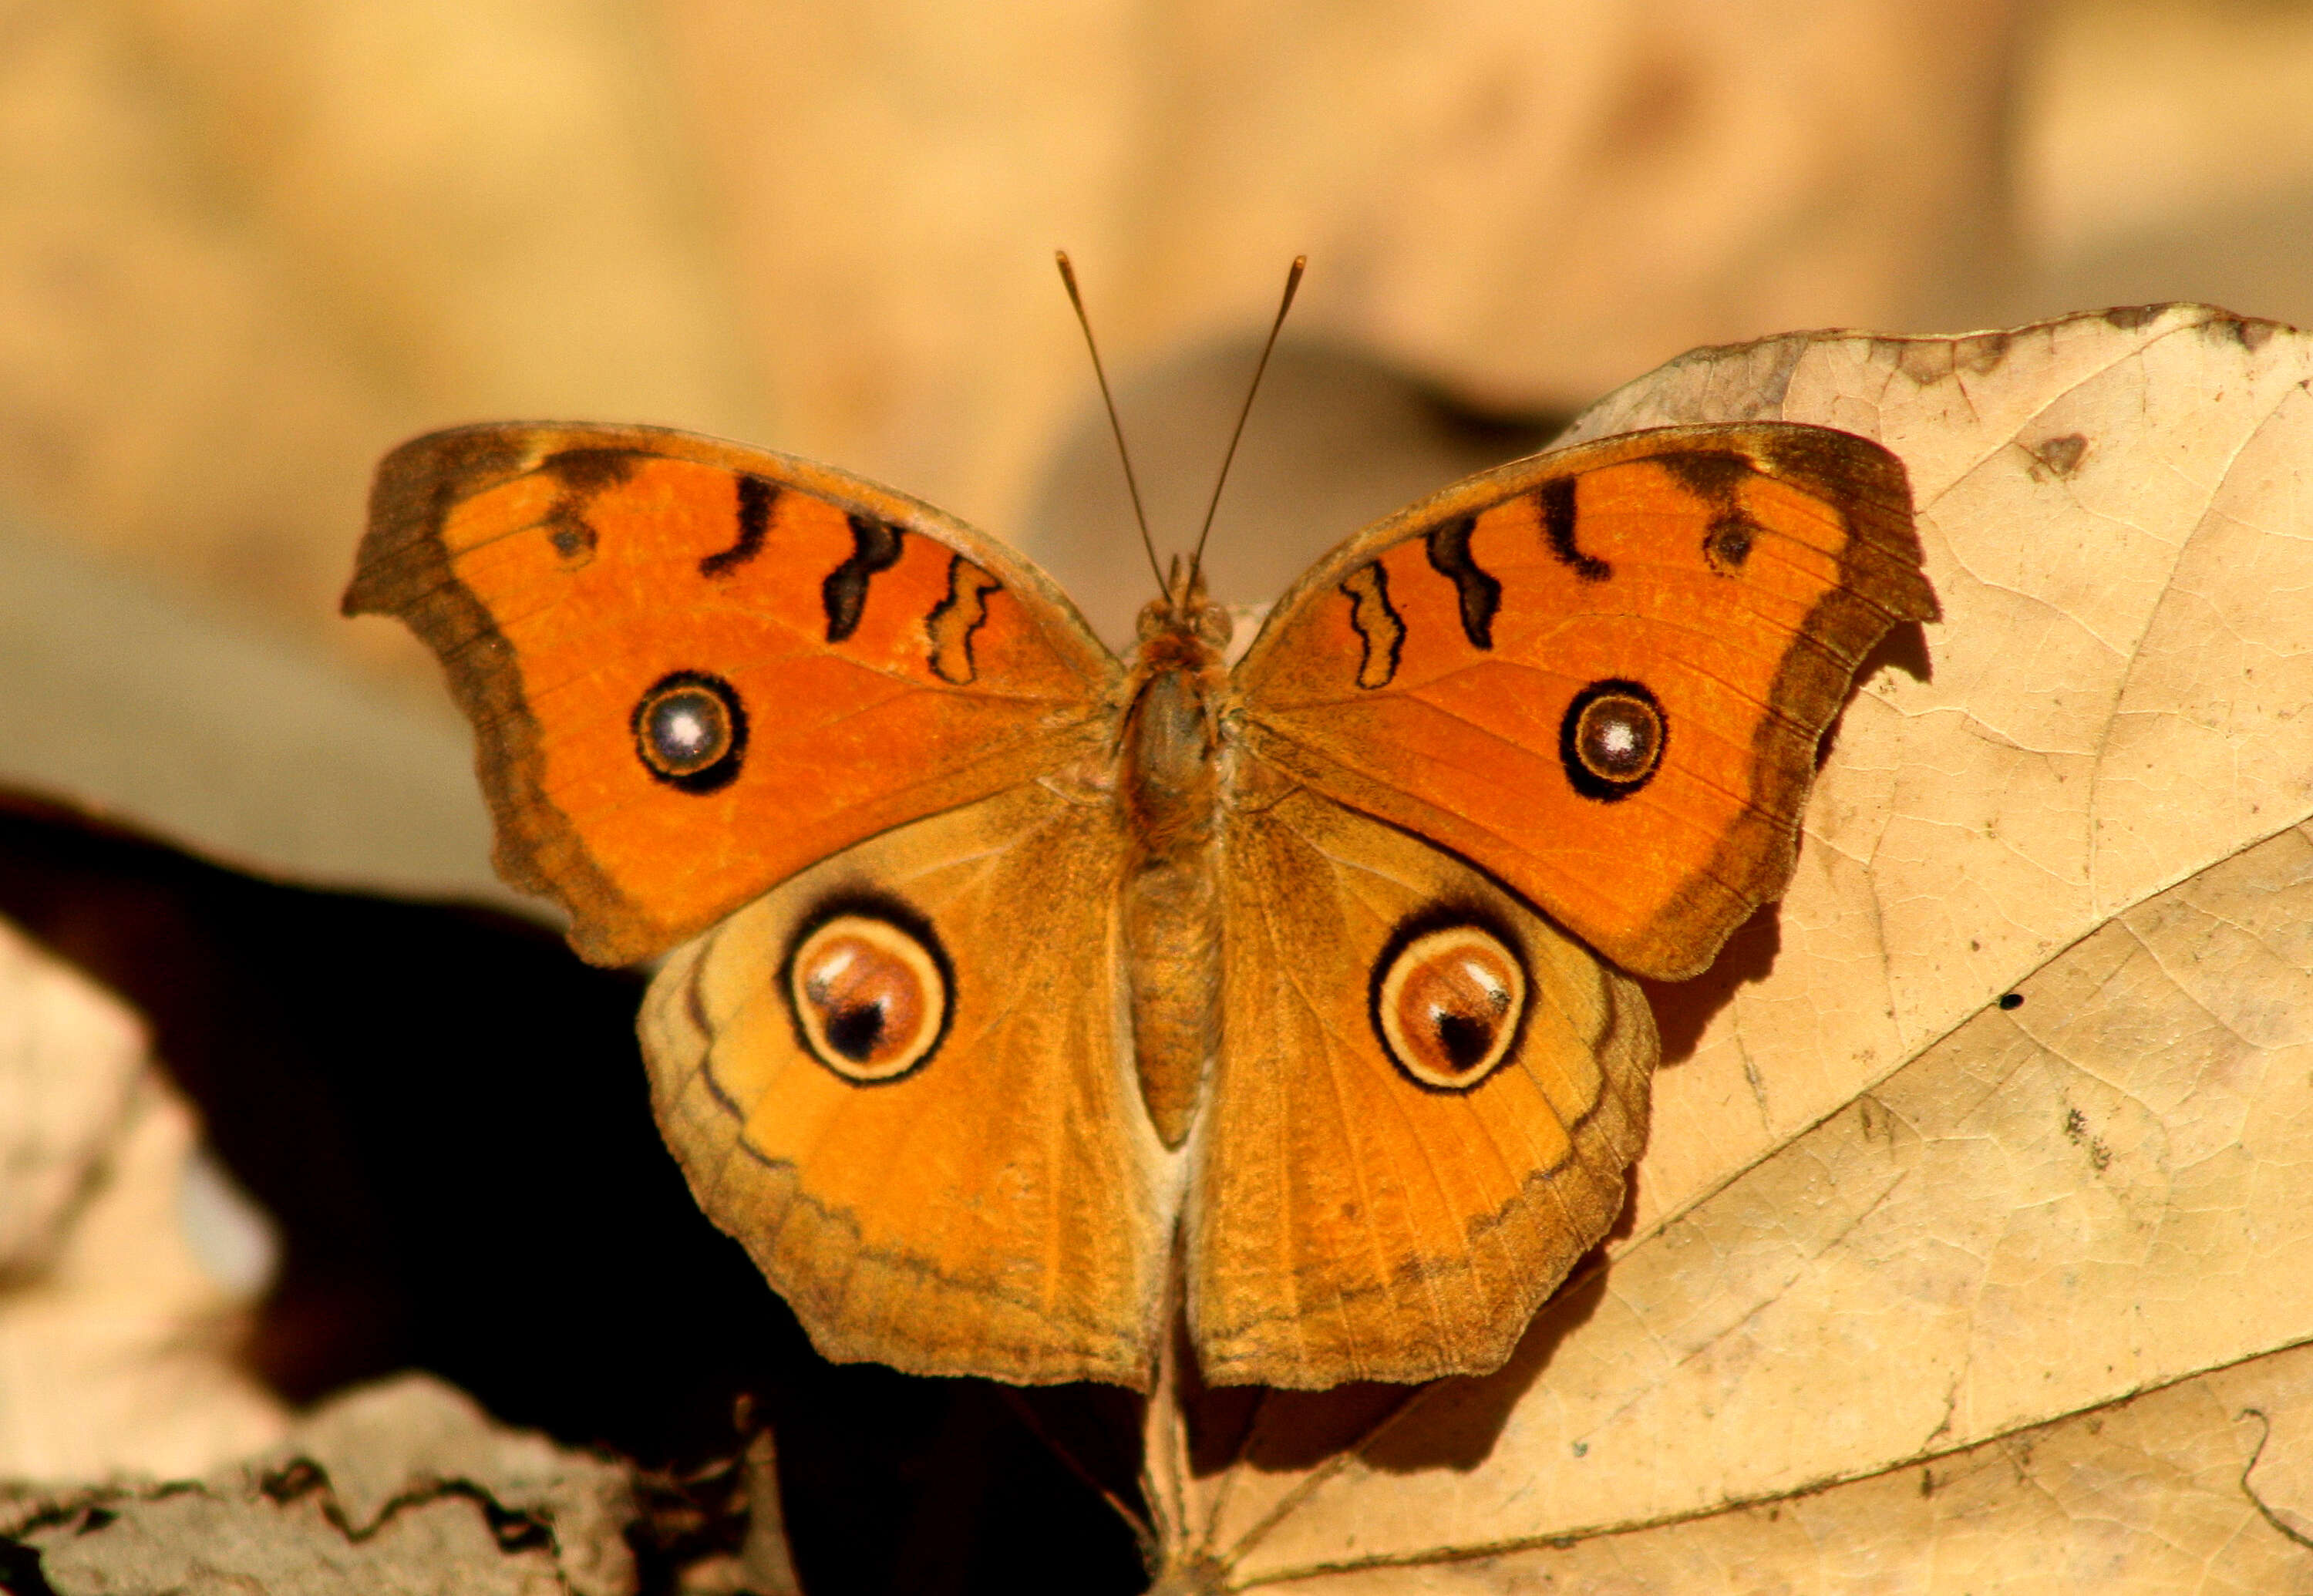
(694, 668)
(1426, 1098)
(900, 1080)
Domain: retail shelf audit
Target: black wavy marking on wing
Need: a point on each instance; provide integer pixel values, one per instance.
(949, 627)
(874, 547)
(756, 497)
(1555, 500)
(1376, 623)
(1480, 594)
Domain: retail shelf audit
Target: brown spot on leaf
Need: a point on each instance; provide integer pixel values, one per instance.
(2076, 1131)
(1981, 354)
(2251, 332)
(2057, 456)
(1926, 360)
(1930, 360)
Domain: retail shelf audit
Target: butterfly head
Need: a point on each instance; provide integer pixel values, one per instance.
(1186, 626)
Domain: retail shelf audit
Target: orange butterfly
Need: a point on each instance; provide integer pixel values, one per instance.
(1016, 982)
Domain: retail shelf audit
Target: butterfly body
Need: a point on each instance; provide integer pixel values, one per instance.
(1171, 785)
(1013, 985)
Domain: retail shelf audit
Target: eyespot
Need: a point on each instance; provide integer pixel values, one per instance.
(1448, 1003)
(691, 731)
(870, 995)
(1611, 739)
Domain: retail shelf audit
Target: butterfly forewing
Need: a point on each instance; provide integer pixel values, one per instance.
(695, 668)
(1601, 674)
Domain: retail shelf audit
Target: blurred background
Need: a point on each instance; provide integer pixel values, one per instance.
(248, 245)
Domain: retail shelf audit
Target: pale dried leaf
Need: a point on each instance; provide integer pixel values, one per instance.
(1887, 1233)
(69, 1059)
(2168, 1492)
(116, 1344)
(378, 1446)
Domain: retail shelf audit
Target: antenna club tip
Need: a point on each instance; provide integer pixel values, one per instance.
(1292, 287)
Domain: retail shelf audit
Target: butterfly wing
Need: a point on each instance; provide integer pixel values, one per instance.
(713, 685)
(1368, 1206)
(1601, 674)
(1584, 690)
(967, 1187)
(694, 668)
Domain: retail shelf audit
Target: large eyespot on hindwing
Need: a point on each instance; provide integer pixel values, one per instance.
(1449, 1000)
(870, 989)
(691, 731)
(1611, 739)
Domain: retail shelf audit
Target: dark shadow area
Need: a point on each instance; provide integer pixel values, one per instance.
(1279, 1430)
(1905, 649)
(1683, 1008)
(446, 1114)
(1293, 1431)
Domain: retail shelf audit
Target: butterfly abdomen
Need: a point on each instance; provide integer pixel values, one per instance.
(1168, 785)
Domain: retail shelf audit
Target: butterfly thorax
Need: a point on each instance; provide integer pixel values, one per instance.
(1168, 787)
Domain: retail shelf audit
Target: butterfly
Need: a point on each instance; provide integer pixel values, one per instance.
(1024, 1001)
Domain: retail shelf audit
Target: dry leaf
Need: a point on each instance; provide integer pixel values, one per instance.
(1973, 1238)
(70, 1056)
(404, 1486)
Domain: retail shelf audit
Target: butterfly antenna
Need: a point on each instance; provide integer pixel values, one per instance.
(1292, 283)
(1132, 483)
